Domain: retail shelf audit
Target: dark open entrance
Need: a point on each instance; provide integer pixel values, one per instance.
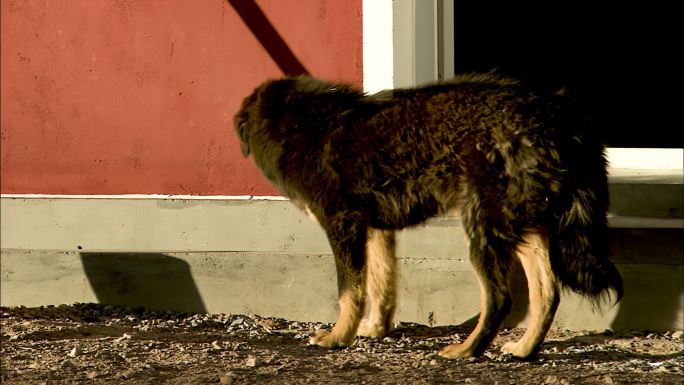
(620, 58)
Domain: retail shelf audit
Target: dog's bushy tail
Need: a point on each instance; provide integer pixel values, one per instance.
(579, 241)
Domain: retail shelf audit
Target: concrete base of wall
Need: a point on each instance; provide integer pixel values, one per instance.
(302, 287)
(267, 258)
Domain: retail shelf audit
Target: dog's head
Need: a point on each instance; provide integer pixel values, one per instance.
(269, 111)
(262, 109)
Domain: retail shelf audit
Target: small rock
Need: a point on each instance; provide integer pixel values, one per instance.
(66, 364)
(216, 345)
(389, 340)
(127, 374)
(608, 380)
(76, 351)
(677, 335)
(227, 379)
(551, 380)
(251, 362)
(433, 362)
(92, 374)
(126, 336)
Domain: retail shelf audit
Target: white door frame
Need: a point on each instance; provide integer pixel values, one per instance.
(407, 42)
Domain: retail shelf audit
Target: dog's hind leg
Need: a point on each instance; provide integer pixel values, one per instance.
(543, 293)
(380, 277)
(490, 256)
(347, 236)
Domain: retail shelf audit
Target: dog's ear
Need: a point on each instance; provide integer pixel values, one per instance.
(241, 129)
(244, 146)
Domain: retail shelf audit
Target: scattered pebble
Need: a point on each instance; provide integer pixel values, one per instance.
(126, 336)
(127, 374)
(227, 379)
(92, 374)
(251, 361)
(76, 351)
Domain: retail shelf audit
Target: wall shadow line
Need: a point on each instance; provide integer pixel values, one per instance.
(262, 29)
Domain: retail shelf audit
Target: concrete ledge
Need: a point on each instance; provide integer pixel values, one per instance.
(153, 225)
(302, 287)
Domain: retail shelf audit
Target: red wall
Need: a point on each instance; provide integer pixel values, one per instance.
(138, 96)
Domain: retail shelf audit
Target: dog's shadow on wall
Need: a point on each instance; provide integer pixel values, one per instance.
(151, 280)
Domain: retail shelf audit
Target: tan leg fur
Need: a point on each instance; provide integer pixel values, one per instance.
(380, 281)
(348, 321)
(543, 293)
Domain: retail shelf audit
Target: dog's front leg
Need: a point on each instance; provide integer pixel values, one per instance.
(380, 277)
(347, 236)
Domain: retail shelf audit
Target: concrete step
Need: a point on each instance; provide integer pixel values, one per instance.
(647, 184)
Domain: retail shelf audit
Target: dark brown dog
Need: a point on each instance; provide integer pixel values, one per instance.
(525, 171)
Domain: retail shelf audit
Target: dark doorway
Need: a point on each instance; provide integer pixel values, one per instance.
(620, 59)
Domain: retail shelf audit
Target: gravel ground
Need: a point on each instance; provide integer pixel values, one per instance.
(97, 344)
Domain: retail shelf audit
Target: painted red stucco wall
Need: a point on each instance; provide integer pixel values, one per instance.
(138, 96)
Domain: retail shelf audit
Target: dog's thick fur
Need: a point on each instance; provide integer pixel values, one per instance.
(524, 169)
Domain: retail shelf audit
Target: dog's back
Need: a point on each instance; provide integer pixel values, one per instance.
(524, 160)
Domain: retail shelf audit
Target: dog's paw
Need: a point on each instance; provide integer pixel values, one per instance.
(326, 339)
(457, 351)
(370, 330)
(517, 349)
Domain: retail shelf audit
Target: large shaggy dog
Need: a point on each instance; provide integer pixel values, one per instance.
(524, 170)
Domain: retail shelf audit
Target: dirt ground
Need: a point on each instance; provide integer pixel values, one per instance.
(97, 344)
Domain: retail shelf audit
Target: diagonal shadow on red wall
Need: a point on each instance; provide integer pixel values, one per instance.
(263, 30)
